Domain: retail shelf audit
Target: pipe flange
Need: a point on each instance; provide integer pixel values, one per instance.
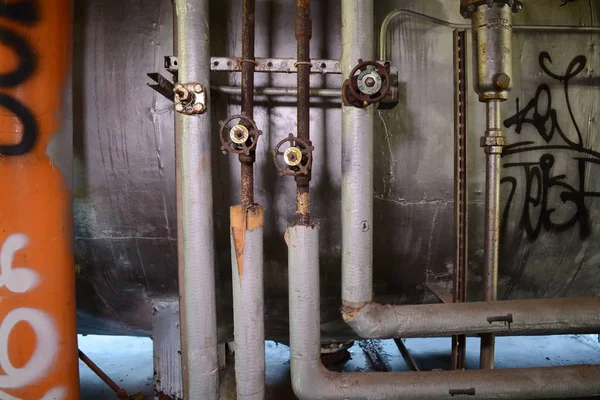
(369, 83)
(296, 159)
(467, 7)
(238, 138)
(190, 98)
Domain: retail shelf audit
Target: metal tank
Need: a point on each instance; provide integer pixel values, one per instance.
(124, 162)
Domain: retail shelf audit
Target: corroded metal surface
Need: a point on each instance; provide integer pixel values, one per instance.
(124, 183)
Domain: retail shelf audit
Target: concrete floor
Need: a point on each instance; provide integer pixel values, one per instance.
(128, 360)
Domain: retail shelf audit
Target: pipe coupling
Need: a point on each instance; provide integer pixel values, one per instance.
(468, 7)
(190, 98)
(493, 142)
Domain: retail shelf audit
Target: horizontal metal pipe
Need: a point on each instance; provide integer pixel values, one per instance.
(376, 321)
(279, 91)
(517, 28)
(311, 381)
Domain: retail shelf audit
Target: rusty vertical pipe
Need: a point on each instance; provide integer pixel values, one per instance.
(303, 36)
(248, 66)
(38, 341)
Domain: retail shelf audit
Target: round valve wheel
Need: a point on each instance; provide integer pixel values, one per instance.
(292, 156)
(239, 138)
(369, 83)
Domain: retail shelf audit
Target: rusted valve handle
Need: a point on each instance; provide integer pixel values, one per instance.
(296, 160)
(382, 70)
(240, 138)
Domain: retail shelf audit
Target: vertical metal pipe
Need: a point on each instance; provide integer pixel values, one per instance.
(247, 161)
(357, 162)
(38, 333)
(303, 36)
(491, 228)
(195, 211)
(248, 301)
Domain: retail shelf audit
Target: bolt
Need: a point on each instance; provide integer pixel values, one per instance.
(198, 107)
(370, 82)
(198, 88)
(502, 81)
(364, 226)
(179, 107)
(181, 92)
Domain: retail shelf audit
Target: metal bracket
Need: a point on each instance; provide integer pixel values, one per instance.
(190, 98)
(162, 86)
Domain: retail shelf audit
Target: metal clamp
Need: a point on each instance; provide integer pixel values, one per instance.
(369, 83)
(240, 138)
(190, 98)
(493, 144)
(296, 158)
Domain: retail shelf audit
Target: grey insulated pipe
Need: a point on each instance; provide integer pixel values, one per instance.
(248, 301)
(195, 211)
(370, 320)
(311, 381)
(357, 162)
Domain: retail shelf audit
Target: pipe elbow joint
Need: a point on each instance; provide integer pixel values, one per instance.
(373, 321)
(309, 380)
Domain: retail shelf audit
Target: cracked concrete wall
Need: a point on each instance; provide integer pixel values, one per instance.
(124, 180)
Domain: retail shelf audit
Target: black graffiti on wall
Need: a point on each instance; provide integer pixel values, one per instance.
(25, 13)
(542, 185)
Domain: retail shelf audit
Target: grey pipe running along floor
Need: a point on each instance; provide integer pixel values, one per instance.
(128, 360)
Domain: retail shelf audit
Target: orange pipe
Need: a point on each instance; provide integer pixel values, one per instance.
(38, 341)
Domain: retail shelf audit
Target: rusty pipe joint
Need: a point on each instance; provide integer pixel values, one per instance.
(492, 26)
(190, 98)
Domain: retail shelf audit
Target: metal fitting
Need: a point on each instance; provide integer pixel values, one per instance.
(190, 98)
(239, 134)
(292, 156)
(368, 83)
(467, 7)
(241, 138)
(297, 158)
(493, 144)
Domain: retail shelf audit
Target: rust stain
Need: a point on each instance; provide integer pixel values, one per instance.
(244, 219)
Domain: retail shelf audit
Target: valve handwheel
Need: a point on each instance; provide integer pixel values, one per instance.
(240, 138)
(295, 160)
(369, 83)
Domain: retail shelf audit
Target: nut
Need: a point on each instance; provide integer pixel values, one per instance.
(502, 81)
(198, 88)
(179, 107)
(292, 156)
(239, 134)
(198, 107)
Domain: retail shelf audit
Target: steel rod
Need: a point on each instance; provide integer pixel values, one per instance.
(491, 238)
(408, 359)
(121, 393)
(196, 260)
(517, 28)
(303, 36)
(280, 91)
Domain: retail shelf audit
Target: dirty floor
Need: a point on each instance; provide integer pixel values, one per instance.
(128, 360)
